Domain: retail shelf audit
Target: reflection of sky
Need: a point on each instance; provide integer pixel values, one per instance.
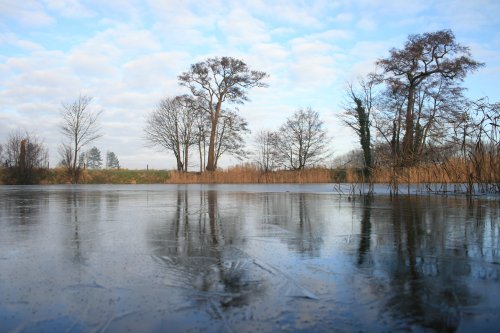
(98, 257)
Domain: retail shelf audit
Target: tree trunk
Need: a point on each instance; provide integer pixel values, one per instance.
(409, 128)
(186, 157)
(213, 133)
(201, 156)
(74, 167)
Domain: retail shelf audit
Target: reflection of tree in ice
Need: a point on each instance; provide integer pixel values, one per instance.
(82, 213)
(366, 226)
(291, 217)
(200, 255)
(201, 252)
(22, 208)
(425, 260)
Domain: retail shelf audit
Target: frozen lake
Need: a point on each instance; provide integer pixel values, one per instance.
(245, 258)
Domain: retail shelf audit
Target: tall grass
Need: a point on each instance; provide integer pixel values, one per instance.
(248, 174)
(486, 175)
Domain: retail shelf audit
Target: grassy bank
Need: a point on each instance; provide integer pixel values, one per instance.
(108, 176)
(451, 172)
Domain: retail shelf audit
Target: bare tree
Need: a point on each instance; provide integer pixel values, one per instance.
(266, 150)
(424, 57)
(230, 136)
(219, 80)
(172, 126)
(303, 140)
(79, 127)
(66, 155)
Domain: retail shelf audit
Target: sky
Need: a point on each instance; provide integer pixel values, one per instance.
(127, 56)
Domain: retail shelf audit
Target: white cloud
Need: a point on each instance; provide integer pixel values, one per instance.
(69, 8)
(85, 64)
(239, 27)
(28, 12)
(314, 71)
(344, 18)
(295, 13)
(12, 40)
(470, 15)
(148, 71)
(367, 24)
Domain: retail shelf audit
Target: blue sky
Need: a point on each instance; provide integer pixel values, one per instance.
(128, 54)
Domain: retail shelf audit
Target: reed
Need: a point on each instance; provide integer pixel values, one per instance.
(248, 174)
(483, 175)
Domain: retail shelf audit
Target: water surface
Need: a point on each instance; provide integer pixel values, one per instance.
(245, 258)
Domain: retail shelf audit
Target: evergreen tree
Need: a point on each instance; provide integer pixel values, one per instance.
(94, 160)
(112, 161)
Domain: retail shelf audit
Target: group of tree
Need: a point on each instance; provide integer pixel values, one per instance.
(92, 159)
(80, 127)
(413, 109)
(24, 158)
(202, 120)
(300, 142)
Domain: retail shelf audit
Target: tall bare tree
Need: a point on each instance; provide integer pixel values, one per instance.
(172, 126)
(79, 127)
(303, 140)
(219, 80)
(424, 57)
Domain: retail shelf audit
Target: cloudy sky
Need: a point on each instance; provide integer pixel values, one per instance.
(127, 56)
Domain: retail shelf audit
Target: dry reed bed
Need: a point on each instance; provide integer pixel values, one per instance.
(454, 171)
(250, 175)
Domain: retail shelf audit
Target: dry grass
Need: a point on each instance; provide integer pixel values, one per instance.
(248, 174)
(453, 171)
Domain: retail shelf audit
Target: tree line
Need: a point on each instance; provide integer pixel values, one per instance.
(410, 111)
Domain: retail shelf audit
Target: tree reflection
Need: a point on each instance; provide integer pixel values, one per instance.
(23, 208)
(305, 240)
(198, 251)
(298, 218)
(72, 211)
(366, 227)
(82, 216)
(423, 283)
